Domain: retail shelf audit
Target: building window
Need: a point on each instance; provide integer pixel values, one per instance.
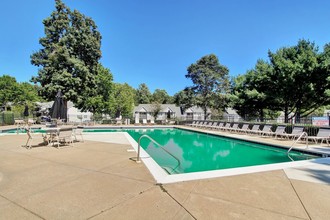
(143, 115)
(190, 116)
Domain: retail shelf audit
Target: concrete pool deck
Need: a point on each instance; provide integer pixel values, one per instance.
(97, 180)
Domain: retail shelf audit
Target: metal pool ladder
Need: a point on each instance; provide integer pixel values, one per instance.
(304, 134)
(138, 158)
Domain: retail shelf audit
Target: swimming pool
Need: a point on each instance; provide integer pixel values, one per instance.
(21, 130)
(190, 151)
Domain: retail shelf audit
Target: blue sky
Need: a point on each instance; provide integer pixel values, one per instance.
(154, 41)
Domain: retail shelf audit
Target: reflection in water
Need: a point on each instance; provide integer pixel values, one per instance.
(222, 153)
(201, 152)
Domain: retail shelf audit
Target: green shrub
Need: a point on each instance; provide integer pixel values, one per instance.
(8, 118)
(311, 130)
(274, 127)
(107, 121)
(288, 129)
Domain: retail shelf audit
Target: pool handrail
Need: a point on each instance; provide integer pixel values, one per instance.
(303, 134)
(161, 147)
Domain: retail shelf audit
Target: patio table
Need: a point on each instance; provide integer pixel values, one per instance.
(19, 122)
(56, 135)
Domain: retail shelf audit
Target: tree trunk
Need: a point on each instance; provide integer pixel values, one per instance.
(66, 109)
(298, 112)
(262, 115)
(205, 110)
(286, 115)
(298, 116)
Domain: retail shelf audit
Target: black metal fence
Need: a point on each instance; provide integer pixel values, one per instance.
(280, 120)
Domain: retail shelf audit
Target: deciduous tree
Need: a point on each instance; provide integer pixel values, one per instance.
(210, 79)
(155, 109)
(124, 99)
(103, 100)
(160, 96)
(27, 93)
(8, 91)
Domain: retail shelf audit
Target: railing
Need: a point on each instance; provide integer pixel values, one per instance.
(138, 159)
(304, 134)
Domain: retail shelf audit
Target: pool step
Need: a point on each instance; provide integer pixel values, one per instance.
(170, 170)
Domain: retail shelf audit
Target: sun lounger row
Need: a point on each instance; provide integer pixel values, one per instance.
(231, 127)
(280, 132)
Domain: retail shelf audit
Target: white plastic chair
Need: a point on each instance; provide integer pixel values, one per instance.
(78, 132)
(64, 136)
(32, 137)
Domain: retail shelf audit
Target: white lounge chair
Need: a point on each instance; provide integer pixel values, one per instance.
(197, 124)
(296, 132)
(226, 126)
(279, 132)
(213, 125)
(219, 125)
(265, 129)
(322, 135)
(233, 128)
(254, 130)
(244, 128)
(144, 121)
(202, 124)
(206, 124)
(193, 123)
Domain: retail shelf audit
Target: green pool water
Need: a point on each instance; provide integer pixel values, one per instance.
(203, 152)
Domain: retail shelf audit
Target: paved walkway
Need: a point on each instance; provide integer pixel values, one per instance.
(97, 180)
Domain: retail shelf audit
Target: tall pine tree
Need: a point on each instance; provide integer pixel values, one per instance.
(69, 56)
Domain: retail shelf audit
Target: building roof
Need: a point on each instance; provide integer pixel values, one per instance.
(230, 111)
(197, 109)
(164, 108)
(46, 105)
(169, 107)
